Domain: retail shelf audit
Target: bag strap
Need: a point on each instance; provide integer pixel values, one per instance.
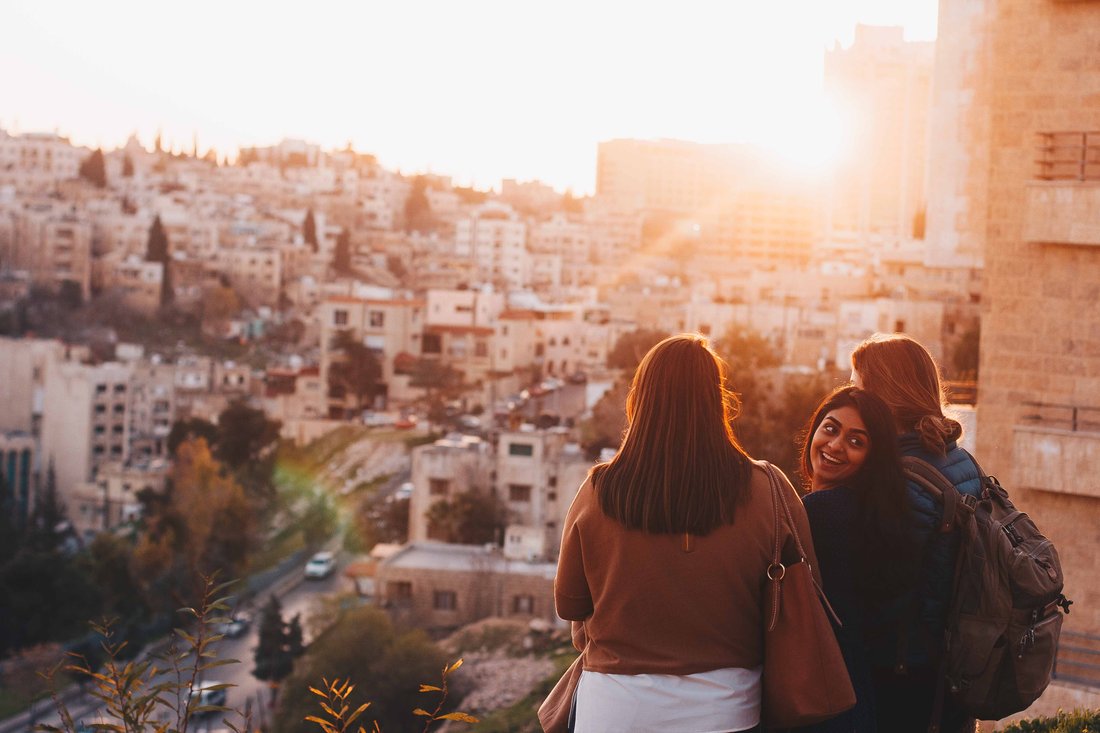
(777, 569)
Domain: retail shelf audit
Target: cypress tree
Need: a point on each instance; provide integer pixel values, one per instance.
(309, 231)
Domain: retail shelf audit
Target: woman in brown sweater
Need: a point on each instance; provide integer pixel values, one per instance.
(664, 555)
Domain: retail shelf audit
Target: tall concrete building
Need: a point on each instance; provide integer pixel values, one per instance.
(85, 420)
(1036, 212)
(669, 176)
(881, 83)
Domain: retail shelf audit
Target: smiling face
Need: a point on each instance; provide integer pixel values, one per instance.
(839, 447)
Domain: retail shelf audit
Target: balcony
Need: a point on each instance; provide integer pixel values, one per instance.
(1063, 203)
(1056, 446)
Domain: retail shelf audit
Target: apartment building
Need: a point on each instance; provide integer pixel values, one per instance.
(537, 474)
(440, 471)
(152, 409)
(19, 469)
(114, 497)
(884, 84)
(37, 160)
(23, 367)
(54, 243)
(85, 420)
(494, 237)
(391, 328)
(441, 587)
(1034, 68)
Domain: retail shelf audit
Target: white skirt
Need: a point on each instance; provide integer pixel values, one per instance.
(707, 702)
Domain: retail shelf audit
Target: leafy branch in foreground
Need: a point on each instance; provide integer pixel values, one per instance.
(137, 694)
(334, 696)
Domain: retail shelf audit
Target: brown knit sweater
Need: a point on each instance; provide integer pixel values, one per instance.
(670, 604)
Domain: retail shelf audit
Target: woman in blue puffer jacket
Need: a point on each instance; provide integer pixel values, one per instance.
(906, 640)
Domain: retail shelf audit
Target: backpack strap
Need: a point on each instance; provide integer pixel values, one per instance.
(933, 482)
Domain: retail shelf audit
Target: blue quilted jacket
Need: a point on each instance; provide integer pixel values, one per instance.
(921, 614)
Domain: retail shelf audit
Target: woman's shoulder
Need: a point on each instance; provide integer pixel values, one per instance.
(835, 500)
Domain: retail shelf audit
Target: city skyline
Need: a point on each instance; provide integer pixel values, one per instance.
(486, 92)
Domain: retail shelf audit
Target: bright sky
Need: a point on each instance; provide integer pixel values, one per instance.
(477, 90)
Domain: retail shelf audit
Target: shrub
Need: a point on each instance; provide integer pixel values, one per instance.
(1078, 721)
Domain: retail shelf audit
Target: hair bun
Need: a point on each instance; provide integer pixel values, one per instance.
(936, 431)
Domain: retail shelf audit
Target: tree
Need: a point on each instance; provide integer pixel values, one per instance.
(191, 428)
(418, 212)
(273, 657)
(127, 166)
(245, 435)
(774, 406)
(156, 247)
(468, 518)
(386, 667)
(604, 429)
(94, 170)
(358, 371)
(341, 255)
(48, 522)
(70, 294)
(631, 347)
(202, 525)
(309, 231)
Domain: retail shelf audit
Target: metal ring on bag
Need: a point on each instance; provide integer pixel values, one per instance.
(782, 571)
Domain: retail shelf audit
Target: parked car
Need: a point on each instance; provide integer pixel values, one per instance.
(236, 626)
(321, 565)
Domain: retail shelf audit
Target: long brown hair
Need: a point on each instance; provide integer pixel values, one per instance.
(887, 558)
(901, 372)
(679, 468)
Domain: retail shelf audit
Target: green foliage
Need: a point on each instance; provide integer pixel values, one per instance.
(278, 645)
(468, 518)
(358, 371)
(309, 231)
(775, 406)
(379, 520)
(94, 170)
(245, 434)
(363, 649)
(137, 695)
(70, 294)
(1078, 721)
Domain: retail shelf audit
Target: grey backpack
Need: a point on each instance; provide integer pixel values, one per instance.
(1005, 613)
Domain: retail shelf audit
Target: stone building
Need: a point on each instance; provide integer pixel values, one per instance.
(1036, 67)
(439, 586)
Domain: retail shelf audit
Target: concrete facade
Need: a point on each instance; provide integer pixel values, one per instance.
(1039, 407)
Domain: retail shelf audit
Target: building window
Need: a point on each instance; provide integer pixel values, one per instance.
(340, 318)
(399, 590)
(377, 319)
(431, 343)
(552, 496)
(524, 604)
(521, 449)
(439, 486)
(481, 349)
(519, 492)
(444, 600)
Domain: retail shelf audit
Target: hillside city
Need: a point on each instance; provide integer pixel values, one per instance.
(217, 363)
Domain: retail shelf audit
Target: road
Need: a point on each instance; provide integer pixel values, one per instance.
(249, 693)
